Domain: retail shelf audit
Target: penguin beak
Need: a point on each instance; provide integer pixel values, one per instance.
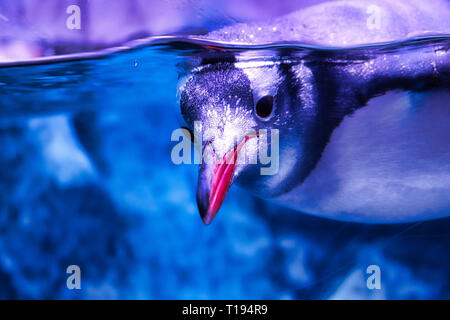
(215, 178)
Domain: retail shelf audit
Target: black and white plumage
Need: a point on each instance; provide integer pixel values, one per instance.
(364, 132)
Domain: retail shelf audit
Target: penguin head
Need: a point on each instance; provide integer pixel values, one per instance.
(236, 109)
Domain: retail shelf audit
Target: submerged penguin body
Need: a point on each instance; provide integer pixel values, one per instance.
(364, 135)
(387, 162)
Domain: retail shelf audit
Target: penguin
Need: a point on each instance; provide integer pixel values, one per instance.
(362, 130)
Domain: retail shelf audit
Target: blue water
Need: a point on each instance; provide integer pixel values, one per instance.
(86, 179)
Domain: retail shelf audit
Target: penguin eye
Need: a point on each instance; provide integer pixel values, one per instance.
(264, 107)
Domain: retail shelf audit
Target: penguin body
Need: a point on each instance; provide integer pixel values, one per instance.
(345, 23)
(388, 162)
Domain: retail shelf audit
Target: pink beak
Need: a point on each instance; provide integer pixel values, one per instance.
(212, 189)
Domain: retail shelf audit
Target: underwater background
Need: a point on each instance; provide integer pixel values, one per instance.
(86, 179)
